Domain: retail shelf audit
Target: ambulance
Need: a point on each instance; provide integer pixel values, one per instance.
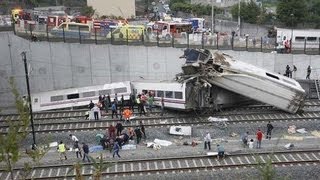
(130, 32)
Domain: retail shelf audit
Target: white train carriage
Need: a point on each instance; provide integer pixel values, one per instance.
(75, 97)
(189, 96)
(300, 37)
(173, 93)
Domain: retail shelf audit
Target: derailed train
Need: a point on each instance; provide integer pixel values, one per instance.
(209, 80)
(242, 78)
(182, 96)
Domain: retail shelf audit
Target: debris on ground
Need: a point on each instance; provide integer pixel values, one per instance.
(289, 146)
(153, 145)
(302, 131)
(233, 134)
(212, 153)
(129, 146)
(95, 149)
(315, 133)
(162, 142)
(296, 138)
(53, 144)
(214, 119)
(180, 130)
(292, 129)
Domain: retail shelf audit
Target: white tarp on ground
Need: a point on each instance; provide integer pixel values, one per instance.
(214, 119)
(212, 153)
(302, 131)
(129, 146)
(53, 144)
(162, 142)
(180, 130)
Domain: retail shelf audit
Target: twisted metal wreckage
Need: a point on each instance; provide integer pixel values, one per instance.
(211, 74)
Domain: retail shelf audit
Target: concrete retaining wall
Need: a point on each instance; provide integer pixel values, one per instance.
(64, 65)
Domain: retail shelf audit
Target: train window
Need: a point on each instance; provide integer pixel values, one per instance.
(159, 94)
(105, 92)
(311, 38)
(120, 90)
(169, 94)
(73, 96)
(299, 38)
(56, 98)
(89, 94)
(144, 91)
(177, 95)
(35, 100)
(273, 76)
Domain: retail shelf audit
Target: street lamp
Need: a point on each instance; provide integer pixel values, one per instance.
(291, 15)
(212, 18)
(24, 58)
(239, 20)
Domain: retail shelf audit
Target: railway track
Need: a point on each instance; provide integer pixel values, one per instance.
(165, 121)
(67, 114)
(176, 165)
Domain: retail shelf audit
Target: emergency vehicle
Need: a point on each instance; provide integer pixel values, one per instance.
(165, 30)
(55, 21)
(197, 24)
(19, 14)
(130, 32)
(71, 30)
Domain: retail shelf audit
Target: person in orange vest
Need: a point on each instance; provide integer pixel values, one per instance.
(127, 113)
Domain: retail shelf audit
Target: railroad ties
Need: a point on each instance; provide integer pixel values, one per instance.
(175, 165)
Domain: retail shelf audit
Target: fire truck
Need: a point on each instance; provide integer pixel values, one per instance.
(167, 30)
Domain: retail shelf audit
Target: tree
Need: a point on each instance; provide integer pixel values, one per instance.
(298, 9)
(249, 12)
(9, 149)
(99, 167)
(87, 11)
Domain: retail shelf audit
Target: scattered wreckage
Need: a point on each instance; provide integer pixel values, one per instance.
(211, 68)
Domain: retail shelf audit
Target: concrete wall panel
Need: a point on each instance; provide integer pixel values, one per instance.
(119, 56)
(138, 63)
(100, 63)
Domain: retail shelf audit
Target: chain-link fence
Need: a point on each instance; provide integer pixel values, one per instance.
(221, 41)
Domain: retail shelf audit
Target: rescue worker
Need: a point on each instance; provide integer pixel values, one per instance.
(119, 128)
(207, 141)
(138, 133)
(127, 113)
(85, 149)
(73, 138)
(308, 72)
(62, 150)
(116, 149)
(259, 138)
(245, 138)
(131, 101)
(220, 150)
(131, 133)
(91, 105)
(114, 110)
(77, 149)
(162, 106)
(121, 103)
(112, 131)
(143, 130)
(150, 101)
(269, 129)
(96, 111)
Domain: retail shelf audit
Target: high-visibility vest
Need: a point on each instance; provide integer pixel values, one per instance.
(138, 101)
(61, 148)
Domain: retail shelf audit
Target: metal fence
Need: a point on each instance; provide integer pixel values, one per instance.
(197, 40)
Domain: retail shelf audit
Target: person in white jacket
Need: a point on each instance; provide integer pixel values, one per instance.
(207, 141)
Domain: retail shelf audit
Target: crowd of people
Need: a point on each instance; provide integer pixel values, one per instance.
(289, 72)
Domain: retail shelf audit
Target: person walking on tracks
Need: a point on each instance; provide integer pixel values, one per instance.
(308, 72)
(259, 138)
(269, 129)
(114, 110)
(207, 141)
(119, 128)
(62, 150)
(96, 111)
(77, 149)
(220, 150)
(138, 134)
(162, 106)
(85, 149)
(116, 149)
(143, 130)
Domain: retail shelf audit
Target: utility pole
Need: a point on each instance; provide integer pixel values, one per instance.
(239, 18)
(24, 58)
(212, 18)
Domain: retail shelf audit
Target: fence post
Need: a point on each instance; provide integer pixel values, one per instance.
(261, 44)
(13, 26)
(202, 40)
(95, 36)
(63, 35)
(188, 40)
(30, 31)
(319, 46)
(111, 36)
(47, 31)
(158, 38)
(142, 37)
(217, 40)
(305, 46)
(246, 43)
(275, 43)
(127, 37)
(79, 35)
(172, 41)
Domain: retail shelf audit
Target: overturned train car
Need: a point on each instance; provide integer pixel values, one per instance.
(214, 68)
